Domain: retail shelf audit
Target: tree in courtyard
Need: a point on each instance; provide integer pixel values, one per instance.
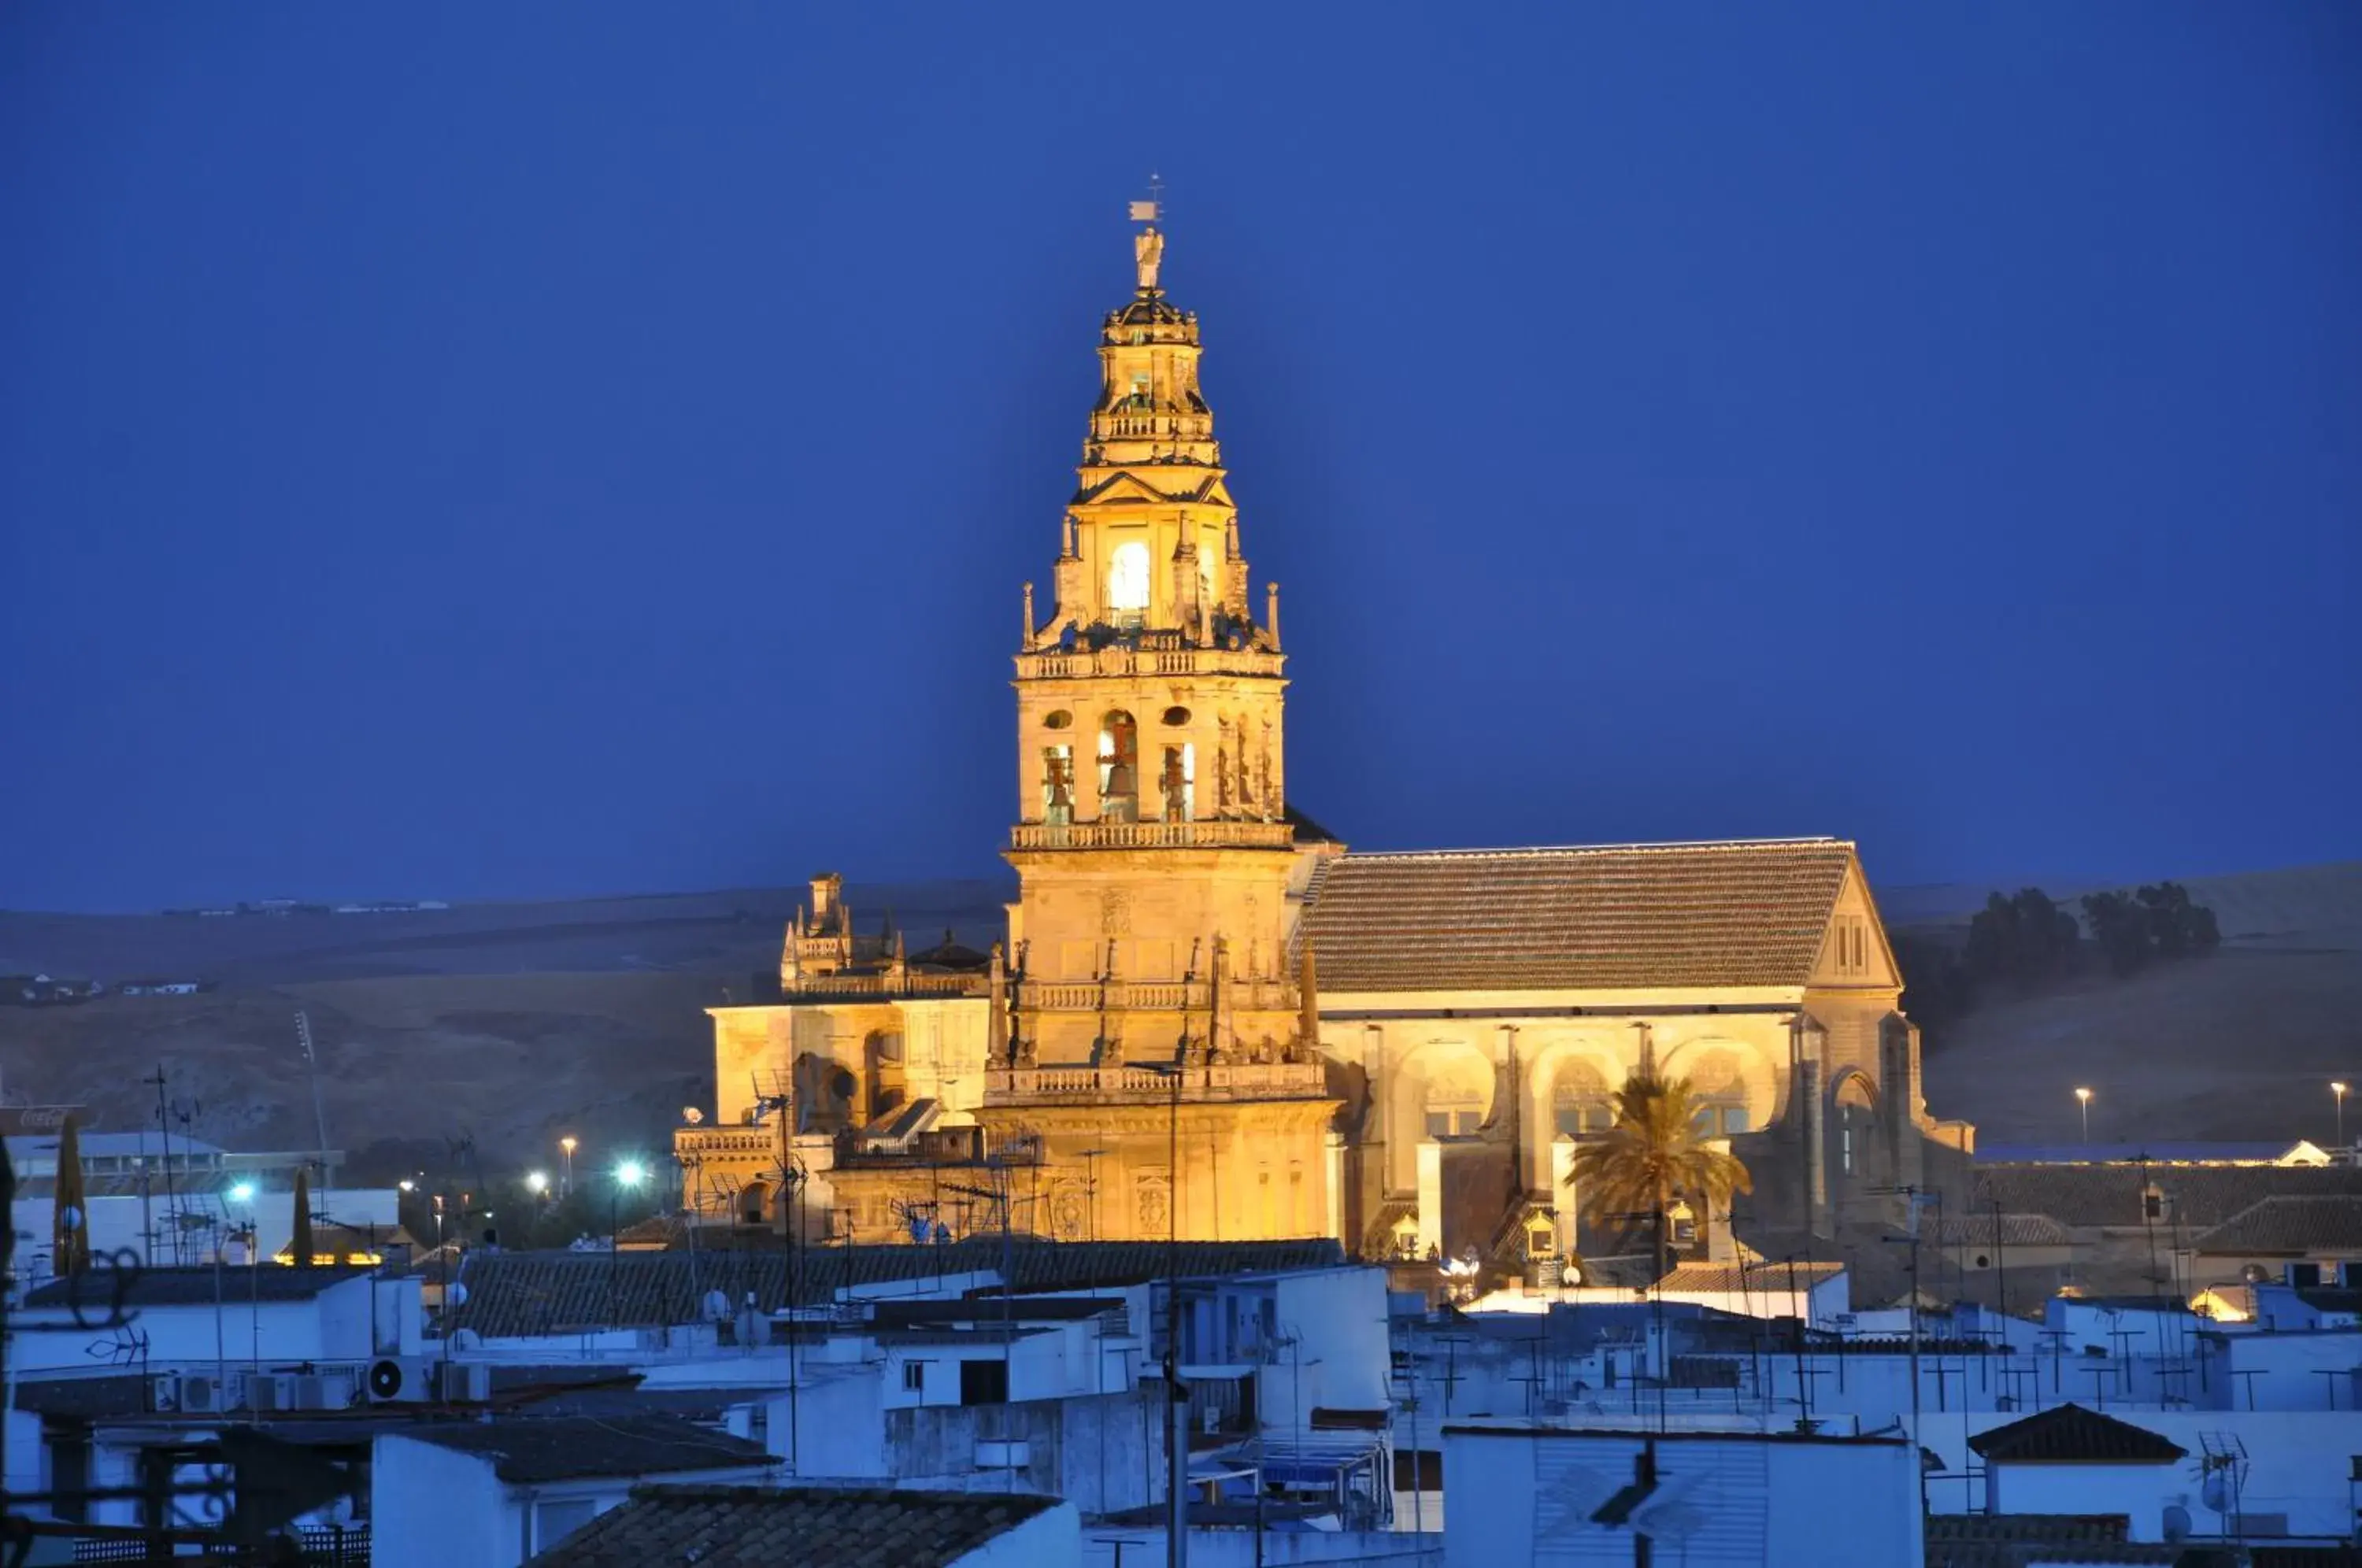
(1656, 1151)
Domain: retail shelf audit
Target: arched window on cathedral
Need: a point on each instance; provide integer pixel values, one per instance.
(1119, 768)
(1719, 1088)
(1453, 1103)
(1581, 1101)
(753, 1198)
(1127, 582)
(1854, 1112)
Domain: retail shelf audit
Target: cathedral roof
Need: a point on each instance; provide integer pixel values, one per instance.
(1605, 918)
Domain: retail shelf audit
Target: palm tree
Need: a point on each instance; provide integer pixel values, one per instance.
(1653, 1155)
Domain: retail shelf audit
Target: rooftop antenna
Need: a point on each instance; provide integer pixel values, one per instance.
(312, 1065)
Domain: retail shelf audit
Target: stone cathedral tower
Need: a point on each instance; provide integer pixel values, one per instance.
(1151, 840)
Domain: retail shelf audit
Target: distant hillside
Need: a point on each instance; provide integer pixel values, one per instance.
(2240, 1045)
(519, 1022)
(512, 1022)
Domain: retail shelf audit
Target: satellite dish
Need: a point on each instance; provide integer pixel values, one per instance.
(2177, 1523)
(455, 1294)
(691, 1115)
(715, 1308)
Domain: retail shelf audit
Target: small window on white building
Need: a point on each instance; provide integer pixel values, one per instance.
(914, 1376)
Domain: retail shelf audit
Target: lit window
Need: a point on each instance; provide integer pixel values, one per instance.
(1128, 578)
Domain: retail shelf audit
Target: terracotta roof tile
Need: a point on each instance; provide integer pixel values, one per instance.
(2196, 1197)
(2315, 1222)
(2069, 1434)
(2013, 1229)
(519, 1294)
(804, 1527)
(531, 1450)
(1742, 913)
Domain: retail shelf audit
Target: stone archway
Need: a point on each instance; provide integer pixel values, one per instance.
(1441, 1089)
(1853, 1114)
(1737, 1087)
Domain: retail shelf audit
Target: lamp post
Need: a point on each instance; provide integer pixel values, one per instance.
(2339, 1090)
(566, 1147)
(630, 1174)
(2083, 1099)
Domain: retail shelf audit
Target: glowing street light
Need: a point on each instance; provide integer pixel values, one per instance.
(408, 1185)
(536, 1183)
(567, 1145)
(631, 1173)
(2339, 1090)
(2083, 1097)
(243, 1192)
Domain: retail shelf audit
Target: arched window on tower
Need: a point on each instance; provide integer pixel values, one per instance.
(1127, 582)
(1058, 784)
(1178, 783)
(1119, 768)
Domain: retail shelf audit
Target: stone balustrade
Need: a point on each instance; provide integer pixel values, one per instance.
(1117, 659)
(1244, 1080)
(887, 984)
(1218, 833)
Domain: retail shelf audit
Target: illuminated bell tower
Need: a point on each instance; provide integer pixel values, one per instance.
(1151, 841)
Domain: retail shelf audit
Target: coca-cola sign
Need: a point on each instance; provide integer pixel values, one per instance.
(39, 1120)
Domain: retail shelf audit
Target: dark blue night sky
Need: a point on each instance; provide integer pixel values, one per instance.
(476, 451)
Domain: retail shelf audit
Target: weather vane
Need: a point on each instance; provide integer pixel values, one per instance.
(1148, 245)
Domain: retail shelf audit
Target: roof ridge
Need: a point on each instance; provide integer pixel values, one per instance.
(1665, 846)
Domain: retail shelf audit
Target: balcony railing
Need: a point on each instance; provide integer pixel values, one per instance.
(887, 985)
(1263, 1080)
(1118, 660)
(1214, 834)
(1153, 996)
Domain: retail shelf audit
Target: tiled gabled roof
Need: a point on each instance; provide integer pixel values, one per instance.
(522, 1295)
(1742, 913)
(804, 1527)
(2196, 1197)
(527, 1450)
(2010, 1230)
(2069, 1434)
(2293, 1224)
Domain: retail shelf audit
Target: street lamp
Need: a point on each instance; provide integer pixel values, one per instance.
(566, 1183)
(2083, 1098)
(2339, 1090)
(630, 1174)
(536, 1183)
(242, 1193)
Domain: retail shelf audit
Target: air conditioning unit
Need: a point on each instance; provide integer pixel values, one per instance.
(202, 1394)
(419, 1380)
(323, 1391)
(400, 1380)
(463, 1382)
(167, 1392)
(271, 1391)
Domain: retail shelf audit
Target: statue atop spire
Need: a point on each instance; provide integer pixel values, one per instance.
(1148, 245)
(1147, 252)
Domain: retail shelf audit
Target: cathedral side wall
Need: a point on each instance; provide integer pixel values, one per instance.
(1517, 1075)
